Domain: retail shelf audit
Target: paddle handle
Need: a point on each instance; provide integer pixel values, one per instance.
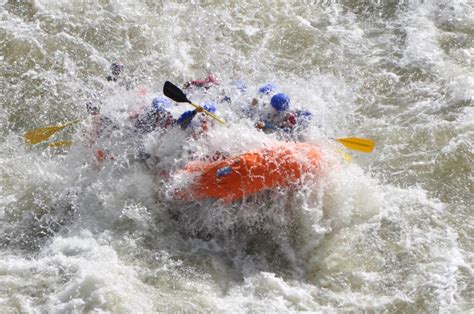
(60, 144)
(72, 122)
(208, 113)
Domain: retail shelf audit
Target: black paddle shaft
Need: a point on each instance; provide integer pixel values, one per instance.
(172, 91)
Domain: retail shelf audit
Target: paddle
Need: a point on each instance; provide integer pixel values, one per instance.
(42, 134)
(60, 144)
(173, 92)
(355, 143)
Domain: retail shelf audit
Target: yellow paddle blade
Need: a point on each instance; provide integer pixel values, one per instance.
(360, 144)
(60, 144)
(209, 113)
(42, 134)
(344, 155)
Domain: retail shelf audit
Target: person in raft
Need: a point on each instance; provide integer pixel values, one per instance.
(156, 117)
(260, 102)
(117, 76)
(99, 127)
(281, 118)
(159, 118)
(203, 86)
(116, 69)
(199, 127)
(205, 83)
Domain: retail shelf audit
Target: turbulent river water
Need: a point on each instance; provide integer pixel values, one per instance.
(390, 231)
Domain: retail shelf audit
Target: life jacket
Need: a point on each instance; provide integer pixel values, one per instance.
(209, 81)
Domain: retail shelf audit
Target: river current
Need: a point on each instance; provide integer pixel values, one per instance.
(390, 231)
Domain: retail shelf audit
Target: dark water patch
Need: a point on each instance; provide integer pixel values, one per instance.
(452, 42)
(23, 9)
(367, 9)
(33, 220)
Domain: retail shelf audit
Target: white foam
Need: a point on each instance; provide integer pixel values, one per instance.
(79, 235)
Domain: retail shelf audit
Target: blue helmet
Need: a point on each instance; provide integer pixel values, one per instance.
(267, 88)
(280, 102)
(160, 103)
(210, 106)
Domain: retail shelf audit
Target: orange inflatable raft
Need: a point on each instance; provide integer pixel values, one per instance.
(231, 179)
